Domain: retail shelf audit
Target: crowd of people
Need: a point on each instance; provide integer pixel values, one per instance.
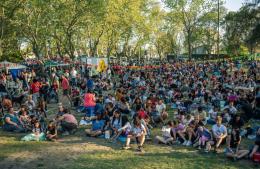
(204, 105)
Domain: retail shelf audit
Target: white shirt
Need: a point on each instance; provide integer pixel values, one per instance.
(127, 127)
(166, 131)
(212, 114)
(73, 73)
(161, 107)
(138, 130)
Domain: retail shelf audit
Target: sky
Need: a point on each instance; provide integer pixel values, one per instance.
(234, 5)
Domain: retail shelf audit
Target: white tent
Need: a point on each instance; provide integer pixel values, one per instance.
(18, 66)
(10, 65)
(6, 64)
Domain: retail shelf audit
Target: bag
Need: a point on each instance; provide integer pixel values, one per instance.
(32, 137)
(256, 157)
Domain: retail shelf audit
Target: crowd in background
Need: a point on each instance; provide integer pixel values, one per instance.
(204, 105)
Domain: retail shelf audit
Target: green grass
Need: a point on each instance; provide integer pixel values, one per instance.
(101, 154)
(80, 152)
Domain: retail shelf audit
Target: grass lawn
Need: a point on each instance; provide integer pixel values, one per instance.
(79, 151)
(75, 152)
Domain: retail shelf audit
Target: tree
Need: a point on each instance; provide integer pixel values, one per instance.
(196, 17)
(241, 29)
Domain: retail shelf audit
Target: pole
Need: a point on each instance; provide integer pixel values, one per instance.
(219, 32)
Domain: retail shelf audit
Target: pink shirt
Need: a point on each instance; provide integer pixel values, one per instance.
(89, 100)
(70, 118)
(65, 84)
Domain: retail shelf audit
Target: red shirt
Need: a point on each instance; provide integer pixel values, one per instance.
(142, 114)
(35, 87)
(65, 84)
(89, 100)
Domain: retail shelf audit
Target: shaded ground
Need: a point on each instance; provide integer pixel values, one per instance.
(79, 151)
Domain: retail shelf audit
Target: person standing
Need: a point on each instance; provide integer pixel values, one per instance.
(73, 75)
(65, 87)
(35, 89)
(89, 103)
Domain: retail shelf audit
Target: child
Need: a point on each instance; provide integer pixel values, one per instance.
(52, 132)
(178, 131)
(166, 137)
(204, 135)
(138, 132)
(116, 122)
(36, 135)
(123, 131)
(25, 119)
(42, 116)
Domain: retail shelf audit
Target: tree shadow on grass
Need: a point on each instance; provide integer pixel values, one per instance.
(131, 160)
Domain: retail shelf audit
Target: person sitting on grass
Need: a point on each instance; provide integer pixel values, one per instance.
(191, 130)
(52, 134)
(124, 130)
(161, 109)
(219, 133)
(212, 115)
(166, 137)
(25, 119)
(97, 126)
(256, 147)
(233, 143)
(203, 136)
(68, 123)
(116, 122)
(36, 135)
(138, 132)
(178, 131)
(12, 122)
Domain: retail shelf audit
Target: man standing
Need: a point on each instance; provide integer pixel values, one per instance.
(35, 88)
(73, 75)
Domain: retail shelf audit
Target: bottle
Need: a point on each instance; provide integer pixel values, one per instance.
(107, 134)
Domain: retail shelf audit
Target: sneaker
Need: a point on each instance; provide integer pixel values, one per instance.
(139, 149)
(199, 148)
(185, 143)
(126, 148)
(188, 143)
(206, 151)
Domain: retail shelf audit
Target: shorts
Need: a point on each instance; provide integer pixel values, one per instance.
(205, 139)
(66, 92)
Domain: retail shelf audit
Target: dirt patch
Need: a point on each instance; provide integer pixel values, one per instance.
(57, 155)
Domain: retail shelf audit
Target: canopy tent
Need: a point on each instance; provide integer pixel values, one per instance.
(10, 65)
(50, 64)
(17, 67)
(5, 64)
(14, 68)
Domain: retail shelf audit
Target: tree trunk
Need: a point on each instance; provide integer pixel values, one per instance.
(189, 44)
(58, 46)
(36, 50)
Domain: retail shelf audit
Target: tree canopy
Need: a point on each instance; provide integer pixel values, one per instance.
(122, 28)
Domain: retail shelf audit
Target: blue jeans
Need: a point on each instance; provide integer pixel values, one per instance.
(12, 128)
(90, 111)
